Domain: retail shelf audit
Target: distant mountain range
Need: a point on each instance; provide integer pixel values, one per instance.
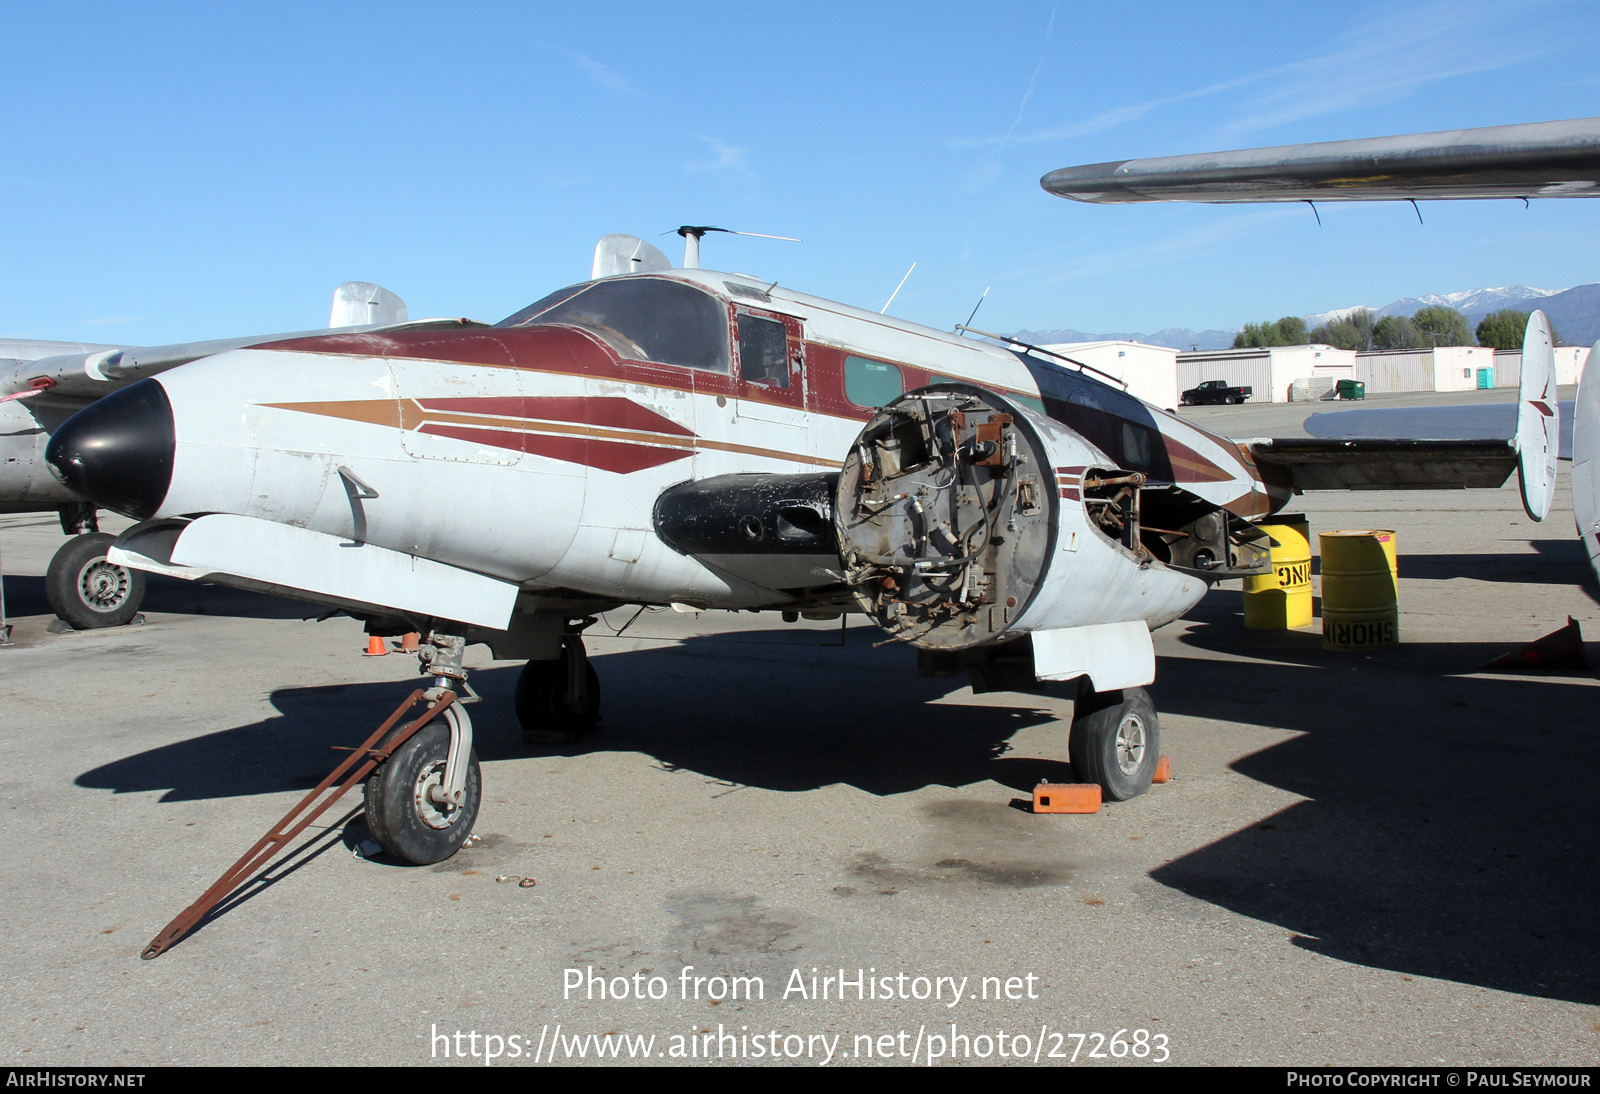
(1575, 313)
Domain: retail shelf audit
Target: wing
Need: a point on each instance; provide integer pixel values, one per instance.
(1535, 160)
(1434, 448)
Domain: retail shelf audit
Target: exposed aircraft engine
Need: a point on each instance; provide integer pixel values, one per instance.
(965, 519)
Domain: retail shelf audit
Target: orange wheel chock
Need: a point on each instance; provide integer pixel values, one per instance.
(1163, 770)
(1066, 798)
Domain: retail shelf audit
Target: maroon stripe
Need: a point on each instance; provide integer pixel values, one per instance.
(615, 456)
(608, 410)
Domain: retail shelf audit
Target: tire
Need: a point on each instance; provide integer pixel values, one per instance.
(406, 824)
(86, 591)
(1116, 742)
(539, 702)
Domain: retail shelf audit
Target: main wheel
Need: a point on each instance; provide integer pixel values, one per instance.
(401, 815)
(1116, 741)
(540, 701)
(86, 590)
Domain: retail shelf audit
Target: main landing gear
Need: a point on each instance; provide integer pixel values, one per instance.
(1115, 741)
(83, 588)
(558, 701)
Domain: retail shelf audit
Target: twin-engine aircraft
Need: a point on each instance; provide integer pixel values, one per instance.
(661, 436)
(42, 384)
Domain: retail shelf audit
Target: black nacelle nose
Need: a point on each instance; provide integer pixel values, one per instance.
(117, 452)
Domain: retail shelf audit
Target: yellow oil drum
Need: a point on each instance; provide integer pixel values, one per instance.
(1281, 600)
(1360, 591)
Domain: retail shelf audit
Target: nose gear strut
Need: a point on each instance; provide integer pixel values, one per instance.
(449, 790)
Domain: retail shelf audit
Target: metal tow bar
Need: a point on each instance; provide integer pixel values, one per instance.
(363, 760)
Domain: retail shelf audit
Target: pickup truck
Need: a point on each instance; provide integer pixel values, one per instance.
(1215, 391)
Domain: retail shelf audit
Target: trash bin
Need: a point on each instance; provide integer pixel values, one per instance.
(1351, 389)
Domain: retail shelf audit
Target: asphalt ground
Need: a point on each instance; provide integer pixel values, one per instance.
(1380, 858)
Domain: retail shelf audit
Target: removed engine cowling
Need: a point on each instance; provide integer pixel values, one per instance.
(966, 519)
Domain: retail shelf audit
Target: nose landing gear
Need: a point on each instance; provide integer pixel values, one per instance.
(422, 799)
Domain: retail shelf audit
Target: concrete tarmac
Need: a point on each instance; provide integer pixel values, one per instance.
(1380, 858)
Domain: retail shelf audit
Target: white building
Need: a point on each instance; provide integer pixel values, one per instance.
(1151, 372)
(1268, 372)
(1444, 368)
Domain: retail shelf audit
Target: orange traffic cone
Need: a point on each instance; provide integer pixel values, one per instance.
(1556, 650)
(376, 647)
(409, 641)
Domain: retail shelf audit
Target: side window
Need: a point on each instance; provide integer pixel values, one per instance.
(871, 383)
(763, 351)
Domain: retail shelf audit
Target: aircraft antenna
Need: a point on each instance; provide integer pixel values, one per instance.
(692, 234)
(896, 292)
(1314, 211)
(1031, 348)
(1414, 209)
(963, 326)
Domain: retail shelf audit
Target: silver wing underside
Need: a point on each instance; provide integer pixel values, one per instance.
(1534, 160)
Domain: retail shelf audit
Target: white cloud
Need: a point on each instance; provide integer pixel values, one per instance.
(725, 157)
(604, 75)
(1377, 62)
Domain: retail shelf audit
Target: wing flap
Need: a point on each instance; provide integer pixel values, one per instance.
(1323, 463)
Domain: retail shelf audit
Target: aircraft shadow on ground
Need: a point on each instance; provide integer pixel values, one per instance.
(1449, 822)
(1446, 832)
(168, 596)
(771, 709)
(1557, 562)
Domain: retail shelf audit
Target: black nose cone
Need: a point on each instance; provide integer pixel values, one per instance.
(118, 452)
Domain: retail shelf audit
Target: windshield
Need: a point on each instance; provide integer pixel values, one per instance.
(644, 319)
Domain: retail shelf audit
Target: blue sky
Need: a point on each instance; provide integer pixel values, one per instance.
(182, 171)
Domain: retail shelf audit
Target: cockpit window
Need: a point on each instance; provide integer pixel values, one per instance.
(644, 319)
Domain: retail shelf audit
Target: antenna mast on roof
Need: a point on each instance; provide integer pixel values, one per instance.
(692, 234)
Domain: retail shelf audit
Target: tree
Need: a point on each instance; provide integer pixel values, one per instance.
(1441, 326)
(1354, 331)
(1505, 329)
(1288, 331)
(1395, 332)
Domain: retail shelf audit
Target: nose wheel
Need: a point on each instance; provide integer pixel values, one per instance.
(407, 806)
(1115, 741)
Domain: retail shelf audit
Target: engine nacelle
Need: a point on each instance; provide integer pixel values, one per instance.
(966, 519)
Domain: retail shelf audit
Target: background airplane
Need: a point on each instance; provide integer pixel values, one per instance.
(1559, 159)
(43, 383)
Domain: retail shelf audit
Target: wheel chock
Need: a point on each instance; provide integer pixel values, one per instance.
(376, 647)
(1066, 798)
(1163, 770)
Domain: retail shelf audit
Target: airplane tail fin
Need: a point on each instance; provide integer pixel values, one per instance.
(1538, 419)
(362, 304)
(1586, 458)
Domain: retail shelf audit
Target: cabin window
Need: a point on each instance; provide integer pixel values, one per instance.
(763, 351)
(871, 383)
(643, 319)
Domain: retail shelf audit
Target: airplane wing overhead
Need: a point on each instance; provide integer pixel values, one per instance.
(1534, 160)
